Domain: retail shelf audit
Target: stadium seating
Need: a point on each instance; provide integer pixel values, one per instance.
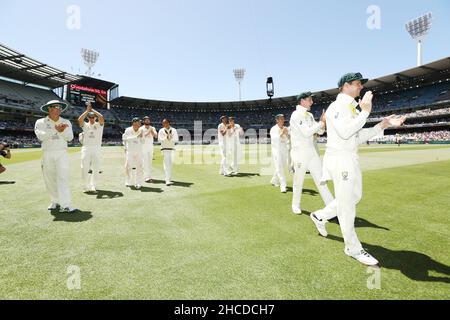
(32, 98)
(264, 118)
(425, 106)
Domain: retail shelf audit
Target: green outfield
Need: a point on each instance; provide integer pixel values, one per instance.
(212, 237)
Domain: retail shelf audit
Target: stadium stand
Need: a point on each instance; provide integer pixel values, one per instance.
(422, 93)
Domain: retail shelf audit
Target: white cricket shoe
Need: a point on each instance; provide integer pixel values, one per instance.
(93, 189)
(363, 257)
(283, 190)
(53, 206)
(86, 190)
(296, 210)
(68, 209)
(138, 186)
(169, 183)
(320, 224)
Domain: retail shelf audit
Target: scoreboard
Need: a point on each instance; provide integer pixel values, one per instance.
(78, 95)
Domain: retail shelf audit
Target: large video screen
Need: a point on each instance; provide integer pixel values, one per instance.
(78, 95)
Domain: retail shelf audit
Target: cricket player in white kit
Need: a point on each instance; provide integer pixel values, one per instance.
(133, 139)
(168, 136)
(279, 137)
(149, 133)
(341, 163)
(54, 132)
(233, 144)
(304, 151)
(91, 152)
(221, 137)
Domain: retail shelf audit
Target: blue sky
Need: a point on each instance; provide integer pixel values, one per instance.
(186, 50)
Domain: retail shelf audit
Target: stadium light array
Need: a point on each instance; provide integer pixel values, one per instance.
(239, 76)
(90, 59)
(418, 29)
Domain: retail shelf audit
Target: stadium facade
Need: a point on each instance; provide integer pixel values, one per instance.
(423, 93)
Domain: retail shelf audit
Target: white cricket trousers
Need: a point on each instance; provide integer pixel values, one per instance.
(55, 168)
(280, 163)
(90, 160)
(309, 160)
(223, 160)
(147, 158)
(168, 160)
(234, 155)
(345, 172)
(134, 161)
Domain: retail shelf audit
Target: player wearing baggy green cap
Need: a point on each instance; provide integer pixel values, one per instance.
(341, 163)
(168, 136)
(221, 137)
(304, 152)
(147, 148)
(133, 141)
(91, 151)
(279, 139)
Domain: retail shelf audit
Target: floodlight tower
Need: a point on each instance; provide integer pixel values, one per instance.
(90, 59)
(418, 29)
(239, 76)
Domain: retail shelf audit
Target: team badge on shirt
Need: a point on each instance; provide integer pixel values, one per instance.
(345, 175)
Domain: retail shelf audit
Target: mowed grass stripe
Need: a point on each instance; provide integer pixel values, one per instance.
(221, 237)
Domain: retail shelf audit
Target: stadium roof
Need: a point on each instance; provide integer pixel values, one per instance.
(422, 75)
(15, 65)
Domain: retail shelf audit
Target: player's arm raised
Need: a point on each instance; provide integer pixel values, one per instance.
(346, 126)
(101, 119)
(84, 115)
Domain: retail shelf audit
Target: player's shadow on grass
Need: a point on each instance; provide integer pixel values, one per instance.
(175, 183)
(414, 265)
(245, 174)
(362, 223)
(304, 191)
(77, 216)
(7, 182)
(147, 189)
(105, 194)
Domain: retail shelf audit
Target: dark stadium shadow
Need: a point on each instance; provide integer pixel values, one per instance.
(77, 216)
(7, 182)
(362, 223)
(147, 189)
(175, 183)
(105, 194)
(304, 191)
(414, 265)
(245, 174)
